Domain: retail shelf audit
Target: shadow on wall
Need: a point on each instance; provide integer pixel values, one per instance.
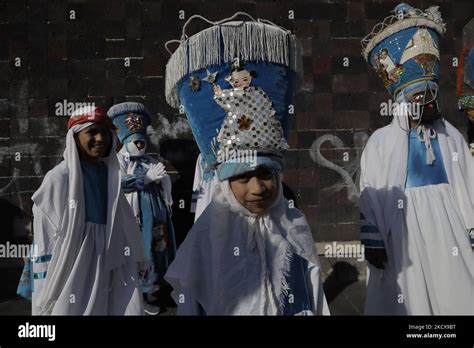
(15, 230)
(343, 274)
(182, 154)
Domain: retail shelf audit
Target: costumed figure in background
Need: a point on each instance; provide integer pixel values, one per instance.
(148, 190)
(417, 183)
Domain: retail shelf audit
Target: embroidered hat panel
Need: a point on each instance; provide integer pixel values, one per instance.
(404, 48)
(237, 95)
(129, 118)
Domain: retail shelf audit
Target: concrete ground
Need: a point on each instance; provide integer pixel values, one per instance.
(344, 287)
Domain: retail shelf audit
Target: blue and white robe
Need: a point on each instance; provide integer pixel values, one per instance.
(421, 213)
(151, 204)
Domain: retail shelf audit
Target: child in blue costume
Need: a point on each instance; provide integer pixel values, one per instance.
(148, 190)
(249, 252)
(86, 253)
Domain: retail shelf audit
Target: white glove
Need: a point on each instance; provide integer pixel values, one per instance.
(155, 173)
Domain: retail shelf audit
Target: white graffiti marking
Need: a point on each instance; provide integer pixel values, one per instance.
(347, 172)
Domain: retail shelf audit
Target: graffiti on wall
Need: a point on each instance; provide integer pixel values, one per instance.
(350, 172)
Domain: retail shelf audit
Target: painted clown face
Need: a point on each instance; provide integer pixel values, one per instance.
(429, 103)
(424, 96)
(136, 147)
(255, 190)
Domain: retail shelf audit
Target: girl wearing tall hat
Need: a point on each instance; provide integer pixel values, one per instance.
(250, 252)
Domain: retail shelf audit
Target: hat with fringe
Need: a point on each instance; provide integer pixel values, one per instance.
(235, 81)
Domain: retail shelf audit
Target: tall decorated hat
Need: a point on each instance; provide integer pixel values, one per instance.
(131, 120)
(235, 81)
(403, 49)
(465, 78)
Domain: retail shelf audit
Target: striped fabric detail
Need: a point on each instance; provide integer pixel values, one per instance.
(370, 236)
(39, 275)
(194, 199)
(42, 258)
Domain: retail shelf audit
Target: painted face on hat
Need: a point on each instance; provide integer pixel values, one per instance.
(93, 142)
(240, 79)
(255, 190)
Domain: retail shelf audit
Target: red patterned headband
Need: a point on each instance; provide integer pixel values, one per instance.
(96, 115)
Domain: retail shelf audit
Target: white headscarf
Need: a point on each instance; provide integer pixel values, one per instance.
(205, 270)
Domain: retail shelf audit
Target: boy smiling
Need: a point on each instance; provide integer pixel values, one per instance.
(87, 248)
(93, 142)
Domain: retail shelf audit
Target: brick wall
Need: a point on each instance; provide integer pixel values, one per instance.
(81, 59)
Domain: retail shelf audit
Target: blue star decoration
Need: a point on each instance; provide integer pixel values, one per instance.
(211, 77)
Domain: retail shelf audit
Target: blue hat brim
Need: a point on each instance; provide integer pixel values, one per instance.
(229, 169)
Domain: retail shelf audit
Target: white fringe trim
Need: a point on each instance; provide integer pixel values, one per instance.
(284, 290)
(383, 30)
(221, 43)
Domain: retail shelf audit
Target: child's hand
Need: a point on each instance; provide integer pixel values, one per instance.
(217, 89)
(155, 173)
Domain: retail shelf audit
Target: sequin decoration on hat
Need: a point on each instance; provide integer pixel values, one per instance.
(403, 49)
(250, 121)
(235, 81)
